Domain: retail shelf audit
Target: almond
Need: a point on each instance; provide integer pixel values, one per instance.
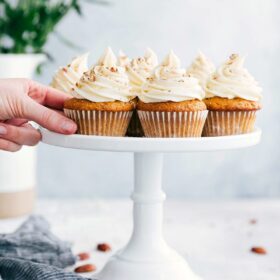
(85, 268)
(253, 221)
(259, 250)
(104, 247)
(83, 256)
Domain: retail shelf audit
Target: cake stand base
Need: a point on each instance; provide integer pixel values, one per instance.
(172, 266)
(147, 256)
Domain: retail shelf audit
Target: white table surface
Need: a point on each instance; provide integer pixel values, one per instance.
(215, 237)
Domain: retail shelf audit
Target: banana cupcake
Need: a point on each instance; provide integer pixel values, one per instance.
(233, 98)
(66, 77)
(201, 68)
(170, 103)
(103, 103)
(138, 70)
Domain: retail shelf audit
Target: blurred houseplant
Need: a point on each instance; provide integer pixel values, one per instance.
(25, 26)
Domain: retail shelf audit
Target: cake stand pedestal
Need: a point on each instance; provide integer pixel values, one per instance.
(147, 256)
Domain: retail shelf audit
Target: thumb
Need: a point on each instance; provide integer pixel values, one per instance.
(48, 118)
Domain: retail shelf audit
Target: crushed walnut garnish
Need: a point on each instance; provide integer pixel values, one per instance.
(233, 56)
(113, 69)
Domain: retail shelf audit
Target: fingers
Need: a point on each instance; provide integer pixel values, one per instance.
(20, 135)
(16, 121)
(47, 95)
(9, 146)
(48, 118)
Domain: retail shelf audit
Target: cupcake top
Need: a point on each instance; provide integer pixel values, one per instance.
(66, 77)
(201, 68)
(123, 59)
(104, 82)
(169, 82)
(232, 80)
(139, 69)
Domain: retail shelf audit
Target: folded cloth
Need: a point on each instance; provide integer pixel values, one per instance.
(16, 269)
(33, 252)
(35, 242)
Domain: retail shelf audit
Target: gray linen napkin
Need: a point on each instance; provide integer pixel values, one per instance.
(35, 242)
(33, 252)
(16, 269)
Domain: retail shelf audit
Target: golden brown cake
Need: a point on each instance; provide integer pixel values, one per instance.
(102, 103)
(170, 102)
(83, 104)
(171, 106)
(232, 98)
(235, 104)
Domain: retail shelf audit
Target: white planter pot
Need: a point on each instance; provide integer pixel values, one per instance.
(18, 170)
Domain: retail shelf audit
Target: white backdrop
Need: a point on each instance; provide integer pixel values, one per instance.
(215, 27)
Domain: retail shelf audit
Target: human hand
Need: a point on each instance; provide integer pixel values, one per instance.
(23, 100)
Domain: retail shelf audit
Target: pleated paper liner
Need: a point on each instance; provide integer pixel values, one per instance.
(172, 124)
(135, 128)
(222, 123)
(102, 123)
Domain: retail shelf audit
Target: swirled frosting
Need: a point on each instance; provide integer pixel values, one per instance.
(123, 59)
(105, 82)
(66, 77)
(201, 68)
(232, 80)
(139, 69)
(169, 82)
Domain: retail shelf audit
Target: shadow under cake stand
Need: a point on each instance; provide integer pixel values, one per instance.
(147, 256)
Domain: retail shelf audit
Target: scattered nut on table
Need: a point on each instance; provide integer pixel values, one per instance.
(104, 247)
(85, 268)
(259, 250)
(83, 256)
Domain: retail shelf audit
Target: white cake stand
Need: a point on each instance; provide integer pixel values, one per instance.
(147, 256)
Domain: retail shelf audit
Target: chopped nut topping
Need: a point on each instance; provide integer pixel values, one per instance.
(113, 69)
(233, 56)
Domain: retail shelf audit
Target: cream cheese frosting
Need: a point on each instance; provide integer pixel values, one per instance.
(139, 69)
(104, 82)
(66, 77)
(201, 68)
(123, 59)
(169, 82)
(232, 80)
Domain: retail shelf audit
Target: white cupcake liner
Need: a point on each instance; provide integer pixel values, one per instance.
(172, 124)
(222, 123)
(102, 123)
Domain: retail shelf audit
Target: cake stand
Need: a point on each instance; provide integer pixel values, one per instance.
(147, 256)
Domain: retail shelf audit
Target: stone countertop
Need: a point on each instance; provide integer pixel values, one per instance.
(215, 237)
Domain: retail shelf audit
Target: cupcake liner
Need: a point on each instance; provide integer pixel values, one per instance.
(102, 123)
(172, 124)
(135, 128)
(222, 123)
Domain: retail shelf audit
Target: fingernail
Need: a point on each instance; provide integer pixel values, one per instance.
(68, 126)
(3, 130)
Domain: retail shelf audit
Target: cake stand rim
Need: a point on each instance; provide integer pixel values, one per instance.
(144, 144)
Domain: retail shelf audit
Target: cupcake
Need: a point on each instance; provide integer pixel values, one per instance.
(66, 77)
(170, 103)
(232, 98)
(201, 68)
(103, 103)
(138, 70)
